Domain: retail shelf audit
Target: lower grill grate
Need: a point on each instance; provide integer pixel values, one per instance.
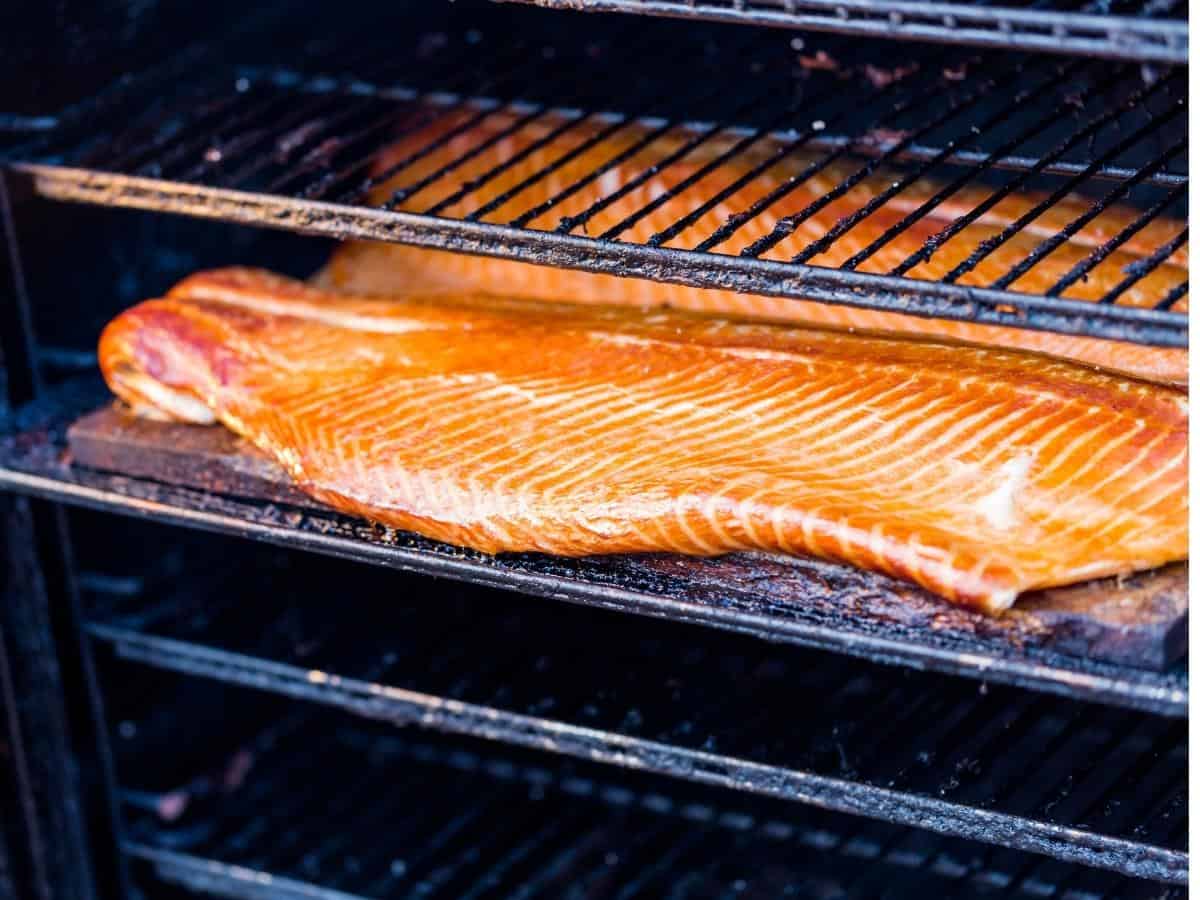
(1082, 783)
(386, 816)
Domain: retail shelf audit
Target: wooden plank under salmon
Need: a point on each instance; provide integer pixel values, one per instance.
(512, 425)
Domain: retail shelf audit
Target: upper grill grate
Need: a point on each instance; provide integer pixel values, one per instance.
(495, 134)
(1147, 30)
(579, 834)
(1082, 783)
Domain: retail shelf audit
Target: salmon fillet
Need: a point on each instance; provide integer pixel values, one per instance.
(529, 150)
(514, 425)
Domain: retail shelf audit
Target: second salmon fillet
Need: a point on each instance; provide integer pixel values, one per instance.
(509, 171)
(507, 425)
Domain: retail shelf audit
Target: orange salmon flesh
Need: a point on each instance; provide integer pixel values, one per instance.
(516, 425)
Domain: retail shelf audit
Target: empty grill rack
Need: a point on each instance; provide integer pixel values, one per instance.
(664, 169)
(1078, 782)
(1147, 31)
(33, 459)
(507, 825)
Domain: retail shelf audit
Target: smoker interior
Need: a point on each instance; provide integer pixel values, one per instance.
(290, 724)
(285, 139)
(359, 796)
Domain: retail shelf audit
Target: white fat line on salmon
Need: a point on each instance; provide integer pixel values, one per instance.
(999, 507)
(792, 357)
(308, 311)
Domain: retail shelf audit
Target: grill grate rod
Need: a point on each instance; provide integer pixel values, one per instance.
(1050, 244)
(621, 123)
(233, 137)
(458, 81)
(320, 158)
(296, 131)
(596, 139)
(526, 62)
(76, 131)
(1151, 806)
(1172, 297)
(532, 115)
(517, 62)
(1000, 117)
(1084, 266)
(782, 152)
(470, 711)
(825, 140)
(695, 102)
(317, 144)
(314, 845)
(788, 225)
(1096, 29)
(248, 139)
(1088, 131)
(849, 840)
(736, 150)
(188, 142)
(952, 187)
(469, 187)
(325, 180)
(135, 157)
(647, 93)
(910, 100)
(1016, 777)
(572, 118)
(988, 246)
(399, 195)
(294, 150)
(739, 147)
(1130, 811)
(1140, 269)
(250, 107)
(570, 223)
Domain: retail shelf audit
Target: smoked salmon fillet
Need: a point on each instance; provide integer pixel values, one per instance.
(530, 150)
(514, 425)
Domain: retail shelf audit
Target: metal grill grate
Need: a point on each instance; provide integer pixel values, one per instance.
(1139, 30)
(623, 151)
(508, 825)
(33, 460)
(1081, 783)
